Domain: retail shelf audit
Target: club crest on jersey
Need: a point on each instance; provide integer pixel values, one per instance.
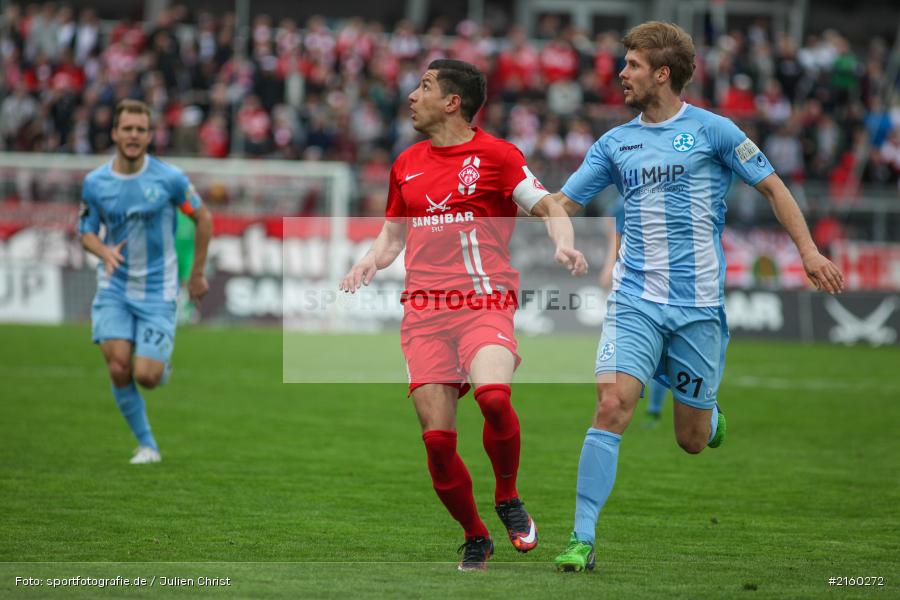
(442, 205)
(469, 175)
(683, 142)
(607, 351)
(152, 194)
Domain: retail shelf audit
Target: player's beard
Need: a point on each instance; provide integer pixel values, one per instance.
(131, 154)
(637, 101)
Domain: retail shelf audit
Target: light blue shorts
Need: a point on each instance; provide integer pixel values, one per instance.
(682, 347)
(150, 327)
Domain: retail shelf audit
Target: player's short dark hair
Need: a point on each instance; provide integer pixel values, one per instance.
(134, 107)
(465, 80)
(666, 45)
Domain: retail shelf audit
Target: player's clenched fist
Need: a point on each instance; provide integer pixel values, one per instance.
(361, 274)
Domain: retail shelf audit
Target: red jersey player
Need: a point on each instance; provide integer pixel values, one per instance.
(451, 203)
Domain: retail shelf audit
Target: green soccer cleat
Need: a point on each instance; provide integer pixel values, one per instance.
(720, 432)
(578, 556)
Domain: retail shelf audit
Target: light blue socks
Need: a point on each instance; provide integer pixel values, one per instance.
(131, 405)
(713, 423)
(596, 475)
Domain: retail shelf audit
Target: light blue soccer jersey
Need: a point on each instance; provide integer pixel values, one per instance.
(674, 177)
(139, 208)
(617, 212)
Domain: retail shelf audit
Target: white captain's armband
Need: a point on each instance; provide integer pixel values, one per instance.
(529, 191)
(746, 150)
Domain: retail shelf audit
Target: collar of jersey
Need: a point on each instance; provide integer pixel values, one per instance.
(681, 110)
(455, 147)
(118, 175)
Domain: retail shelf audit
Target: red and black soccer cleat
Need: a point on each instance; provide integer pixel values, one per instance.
(476, 552)
(519, 524)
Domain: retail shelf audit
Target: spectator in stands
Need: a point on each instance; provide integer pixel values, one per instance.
(17, 111)
(558, 61)
(878, 122)
(888, 156)
(773, 105)
(739, 102)
(519, 61)
(214, 141)
(255, 126)
(784, 150)
(788, 69)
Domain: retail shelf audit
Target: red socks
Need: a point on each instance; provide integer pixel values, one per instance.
(449, 475)
(452, 481)
(501, 437)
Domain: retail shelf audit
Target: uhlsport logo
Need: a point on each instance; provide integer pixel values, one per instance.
(683, 142)
(607, 351)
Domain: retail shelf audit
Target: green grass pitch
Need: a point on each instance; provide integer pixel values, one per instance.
(321, 491)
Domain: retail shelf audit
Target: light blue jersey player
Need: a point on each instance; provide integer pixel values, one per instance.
(134, 198)
(673, 164)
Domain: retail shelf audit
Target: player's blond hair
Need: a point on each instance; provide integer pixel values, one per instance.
(135, 107)
(665, 44)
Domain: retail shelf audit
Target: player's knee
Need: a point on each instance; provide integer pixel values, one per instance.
(440, 446)
(120, 372)
(494, 401)
(613, 413)
(148, 379)
(692, 443)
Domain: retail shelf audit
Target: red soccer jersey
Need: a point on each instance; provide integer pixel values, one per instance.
(459, 203)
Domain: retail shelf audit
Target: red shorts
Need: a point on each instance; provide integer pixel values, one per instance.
(442, 352)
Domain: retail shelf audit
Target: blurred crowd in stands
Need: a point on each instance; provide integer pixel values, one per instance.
(323, 90)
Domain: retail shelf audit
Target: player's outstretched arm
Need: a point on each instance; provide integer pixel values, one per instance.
(821, 271)
(560, 230)
(197, 284)
(110, 255)
(571, 207)
(386, 247)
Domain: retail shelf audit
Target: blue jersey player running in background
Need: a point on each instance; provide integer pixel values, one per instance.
(134, 197)
(673, 164)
